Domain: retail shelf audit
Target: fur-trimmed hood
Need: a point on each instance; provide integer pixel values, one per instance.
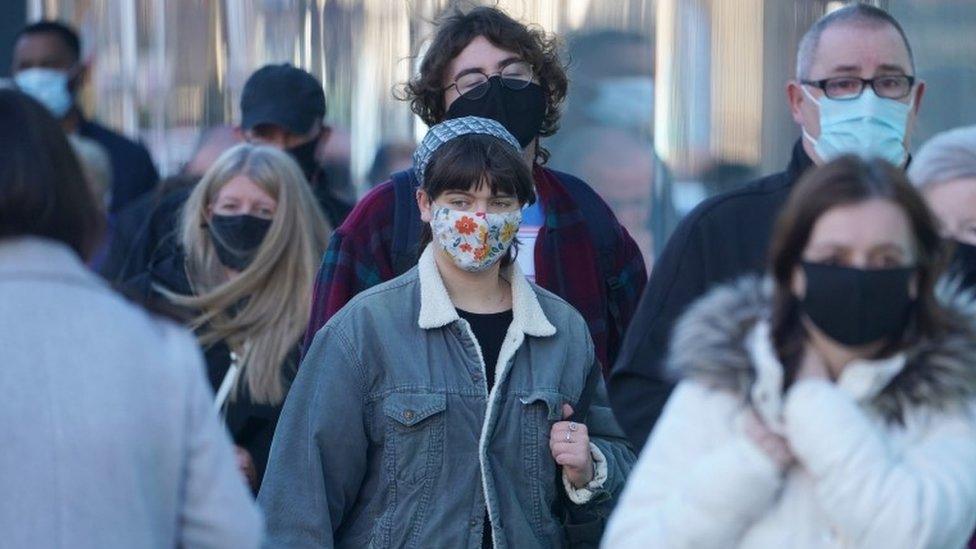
(723, 337)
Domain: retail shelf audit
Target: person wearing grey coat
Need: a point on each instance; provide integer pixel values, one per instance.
(109, 435)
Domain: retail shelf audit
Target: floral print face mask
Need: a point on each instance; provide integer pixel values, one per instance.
(475, 241)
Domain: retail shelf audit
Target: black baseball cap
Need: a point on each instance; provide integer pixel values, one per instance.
(282, 95)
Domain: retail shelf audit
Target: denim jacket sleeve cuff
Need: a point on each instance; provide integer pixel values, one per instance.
(579, 496)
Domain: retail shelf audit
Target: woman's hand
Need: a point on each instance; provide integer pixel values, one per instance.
(246, 464)
(771, 444)
(570, 446)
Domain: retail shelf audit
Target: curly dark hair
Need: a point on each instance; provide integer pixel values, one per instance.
(456, 29)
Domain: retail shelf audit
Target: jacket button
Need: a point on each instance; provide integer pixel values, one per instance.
(473, 522)
(408, 415)
(475, 378)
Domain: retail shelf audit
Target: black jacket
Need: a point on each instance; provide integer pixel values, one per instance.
(133, 172)
(251, 425)
(723, 238)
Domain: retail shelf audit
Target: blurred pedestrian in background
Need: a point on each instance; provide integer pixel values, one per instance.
(945, 171)
(833, 404)
(855, 92)
(110, 439)
(139, 229)
(47, 65)
(283, 106)
(483, 63)
(250, 237)
(391, 157)
(468, 432)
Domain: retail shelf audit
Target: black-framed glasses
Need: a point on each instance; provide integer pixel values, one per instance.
(474, 85)
(889, 86)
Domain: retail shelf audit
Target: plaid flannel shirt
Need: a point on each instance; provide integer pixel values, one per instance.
(567, 260)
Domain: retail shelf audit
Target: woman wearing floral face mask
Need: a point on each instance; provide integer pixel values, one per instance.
(830, 406)
(437, 409)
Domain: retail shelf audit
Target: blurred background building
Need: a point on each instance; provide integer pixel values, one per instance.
(671, 100)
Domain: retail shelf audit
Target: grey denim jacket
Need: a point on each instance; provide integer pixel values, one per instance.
(389, 437)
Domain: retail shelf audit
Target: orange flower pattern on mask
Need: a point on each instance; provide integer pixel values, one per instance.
(475, 241)
(465, 225)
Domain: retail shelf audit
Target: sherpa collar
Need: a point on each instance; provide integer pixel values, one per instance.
(437, 310)
(720, 342)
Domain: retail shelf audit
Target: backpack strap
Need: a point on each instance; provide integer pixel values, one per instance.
(406, 222)
(594, 211)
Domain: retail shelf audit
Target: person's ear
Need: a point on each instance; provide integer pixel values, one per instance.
(78, 80)
(795, 97)
(798, 284)
(913, 286)
(919, 93)
(325, 134)
(424, 203)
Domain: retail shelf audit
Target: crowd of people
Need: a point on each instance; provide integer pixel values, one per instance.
(243, 355)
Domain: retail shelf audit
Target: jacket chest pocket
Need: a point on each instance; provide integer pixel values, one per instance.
(415, 427)
(541, 410)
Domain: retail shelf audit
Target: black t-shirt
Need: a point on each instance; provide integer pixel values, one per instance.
(489, 330)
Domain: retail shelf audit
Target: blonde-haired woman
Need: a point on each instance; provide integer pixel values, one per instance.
(240, 273)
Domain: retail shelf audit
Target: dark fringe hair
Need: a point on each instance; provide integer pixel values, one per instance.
(468, 163)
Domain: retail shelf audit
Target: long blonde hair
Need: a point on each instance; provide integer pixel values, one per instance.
(261, 313)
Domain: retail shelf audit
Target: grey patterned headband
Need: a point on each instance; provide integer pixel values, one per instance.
(456, 127)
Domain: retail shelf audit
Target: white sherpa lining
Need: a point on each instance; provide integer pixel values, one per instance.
(579, 496)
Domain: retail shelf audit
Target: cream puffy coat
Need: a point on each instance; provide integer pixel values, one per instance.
(886, 456)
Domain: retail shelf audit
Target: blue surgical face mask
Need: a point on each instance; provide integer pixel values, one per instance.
(624, 102)
(48, 86)
(869, 126)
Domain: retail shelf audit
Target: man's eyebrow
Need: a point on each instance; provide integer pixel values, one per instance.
(888, 67)
(893, 68)
(846, 68)
(508, 61)
(466, 72)
(501, 65)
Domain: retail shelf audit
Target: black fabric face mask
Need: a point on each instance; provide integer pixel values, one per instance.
(963, 265)
(520, 111)
(856, 306)
(236, 238)
(304, 154)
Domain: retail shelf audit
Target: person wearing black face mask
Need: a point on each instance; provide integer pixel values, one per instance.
(483, 63)
(283, 106)
(945, 171)
(820, 403)
(239, 272)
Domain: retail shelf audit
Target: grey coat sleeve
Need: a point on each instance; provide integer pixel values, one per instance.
(318, 457)
(217, 507)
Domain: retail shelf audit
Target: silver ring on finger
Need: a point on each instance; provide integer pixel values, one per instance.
(573, 426)
(569, 437)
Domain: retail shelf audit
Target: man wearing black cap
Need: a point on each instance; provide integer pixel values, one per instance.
(283, 106)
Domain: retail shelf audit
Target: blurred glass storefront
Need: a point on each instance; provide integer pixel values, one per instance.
(671, 100)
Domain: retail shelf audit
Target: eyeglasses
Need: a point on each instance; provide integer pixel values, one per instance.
(893, 86)
(474, 85)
